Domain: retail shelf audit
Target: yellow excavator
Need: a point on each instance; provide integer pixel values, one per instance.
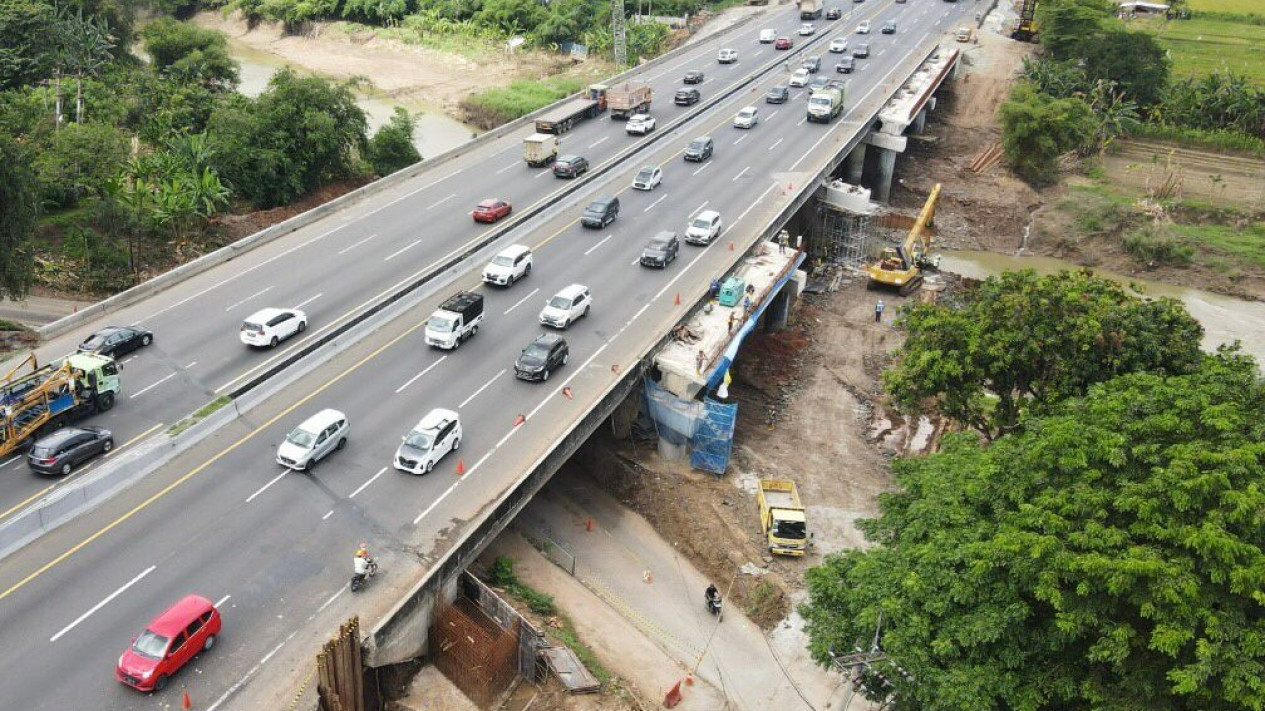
(901, 267)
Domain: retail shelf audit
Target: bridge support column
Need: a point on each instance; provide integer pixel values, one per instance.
(778, 310)
(856, 164)
(886, 167)
(888, 146)
(920, 122)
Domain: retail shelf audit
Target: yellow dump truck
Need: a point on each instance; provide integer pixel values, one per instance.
(782, 517)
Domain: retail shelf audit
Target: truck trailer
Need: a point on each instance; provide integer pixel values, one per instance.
(540, 149)
(560, 120)
(810, 9)
(628, 98)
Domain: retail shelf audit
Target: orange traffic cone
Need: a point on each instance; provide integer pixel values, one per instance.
(673, 696)
(461, 467)
(689, 680)
(186, 704)
(588, 526)
(731, 246)
(677, 300)
(566, 392)
(520, 419)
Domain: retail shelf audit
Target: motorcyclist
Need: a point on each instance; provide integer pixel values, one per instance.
(362, 561)
(712, 595)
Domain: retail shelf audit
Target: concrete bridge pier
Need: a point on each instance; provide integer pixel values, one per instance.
(856, 164)
(920, 122)
(888, 146)
(779, 309)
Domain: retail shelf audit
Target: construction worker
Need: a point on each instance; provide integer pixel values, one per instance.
(878, 311)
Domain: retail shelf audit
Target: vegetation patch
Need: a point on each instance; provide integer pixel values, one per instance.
(1208, 43)
(199, 415)
(492, 107)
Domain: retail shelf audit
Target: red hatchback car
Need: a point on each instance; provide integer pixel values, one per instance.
(783, 43)
(168, 643)
(491, 210)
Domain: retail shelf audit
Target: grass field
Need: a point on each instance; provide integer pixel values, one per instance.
(1243, 7)
(1200, 47)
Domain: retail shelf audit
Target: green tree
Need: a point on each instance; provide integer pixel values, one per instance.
(1107, 557)
(1065, 24)
(25, 54)
(511, 16)
(20, 207)
(1133, 61)
(300, 134)
(191, 54)
(1038, 128)
(391, 148)
(1022, 341)
(83, 50)
(78, 161)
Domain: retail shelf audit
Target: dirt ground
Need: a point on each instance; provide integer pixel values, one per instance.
(810, 410)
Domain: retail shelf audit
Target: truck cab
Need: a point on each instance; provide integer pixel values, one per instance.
(456, 320)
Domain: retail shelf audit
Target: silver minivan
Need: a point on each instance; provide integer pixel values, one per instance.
(311, 441)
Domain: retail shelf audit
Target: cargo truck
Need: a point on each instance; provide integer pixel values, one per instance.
(826, 103)
(628, 98)
(456, 320)
(810, 9)
(560, 120)
(54, 395)
(782, 517)
(540, 149)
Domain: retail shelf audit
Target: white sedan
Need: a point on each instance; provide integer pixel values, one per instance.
(863, 28)
(640, 124)
(807, 29)
(839, 45)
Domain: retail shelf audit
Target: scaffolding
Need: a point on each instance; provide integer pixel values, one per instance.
(840, 237)
(714, 438)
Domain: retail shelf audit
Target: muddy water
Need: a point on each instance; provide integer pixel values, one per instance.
(1224, 318)
(435, 133)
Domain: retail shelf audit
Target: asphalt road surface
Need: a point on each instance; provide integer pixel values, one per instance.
(226, 522)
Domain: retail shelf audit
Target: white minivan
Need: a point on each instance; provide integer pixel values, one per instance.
(800, 77)
(437, 434)
(727, 56)
(567, 306)
(268, 327)
(508, 266)
(313, 440)
(767, 36)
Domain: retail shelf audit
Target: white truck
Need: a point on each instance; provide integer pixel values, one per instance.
(456, 320)
(826, 103)
(810, 9)
(540, 149)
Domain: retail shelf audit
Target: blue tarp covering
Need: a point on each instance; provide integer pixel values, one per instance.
(713, 442)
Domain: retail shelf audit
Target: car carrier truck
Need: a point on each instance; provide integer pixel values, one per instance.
(56, 394)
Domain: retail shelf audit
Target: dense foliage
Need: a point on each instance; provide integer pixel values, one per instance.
(391, 148)
(1107, 555)
(129, 162)
(1022, 342)
(1038, 128)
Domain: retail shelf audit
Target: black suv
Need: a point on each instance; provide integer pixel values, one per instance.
(601, 212)
(700, 149)
(889, 27)
(686, 97)
(812, 64)
(541, 357)
(845, 65)
(693, 76)
(660, 250)
(570, 166)
(777, 95)
(834, 13)
(59, 452)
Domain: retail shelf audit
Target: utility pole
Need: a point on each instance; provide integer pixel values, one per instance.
(856, 663)
(619, 34)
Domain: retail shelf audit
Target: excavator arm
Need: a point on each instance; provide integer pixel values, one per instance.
(901, 267)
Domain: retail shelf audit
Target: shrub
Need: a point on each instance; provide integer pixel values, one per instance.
(391, 148)
(1156, 245)
(490, 108)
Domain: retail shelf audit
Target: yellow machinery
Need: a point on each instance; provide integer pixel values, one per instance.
(53, 395)
(1025, 29)
(901, 267)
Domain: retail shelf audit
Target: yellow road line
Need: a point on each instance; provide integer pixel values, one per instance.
(28, 500)
(201, 467)
(137, 438)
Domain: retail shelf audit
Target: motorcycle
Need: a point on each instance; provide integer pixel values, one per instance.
(358, 580)
(714, 606)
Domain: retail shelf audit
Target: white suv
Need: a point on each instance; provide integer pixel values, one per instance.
(508, 266)
(747, 118)
(567, 306)
(839, 45)
(704, 228)
(639, 124)
(807, 29)
(727, 56)
(800, 77)
(268, 327)
(311, 441)
(437, 434)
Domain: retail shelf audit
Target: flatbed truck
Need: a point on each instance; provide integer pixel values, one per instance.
(560, 120)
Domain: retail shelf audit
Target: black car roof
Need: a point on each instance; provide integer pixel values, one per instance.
(548, 339)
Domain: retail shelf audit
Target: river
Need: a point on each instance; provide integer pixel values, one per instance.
(1224, 318)
(435, 131)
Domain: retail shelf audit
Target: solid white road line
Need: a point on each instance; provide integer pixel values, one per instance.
(520, 301)
(146, 389)
(102, 604)
(305, 302)
(656, 202)
(775, 144)
(367, 483)
(699, 208)
(705, 165)
(261, 292)
(424, 372)
(599, 244)
(441, 201)
(401, 250)
(221, 601)
(354, 245)
(485, 387)
(753, 204)
(264, 488)
(10, 460)
(740, 174)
